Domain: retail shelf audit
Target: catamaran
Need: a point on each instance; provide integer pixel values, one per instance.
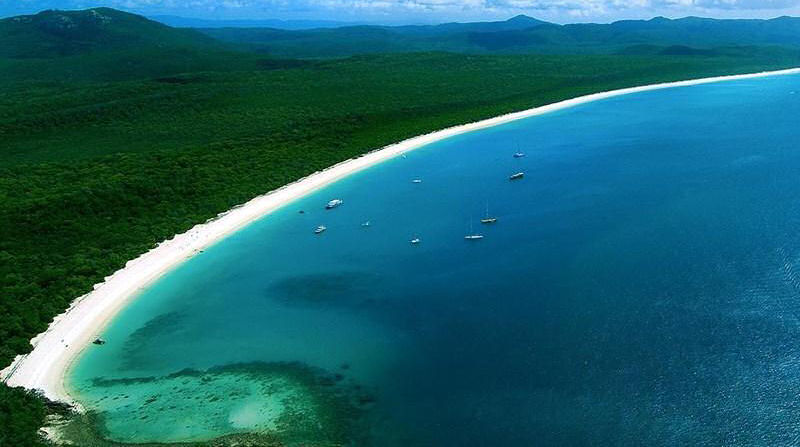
(333, 204)
(517, 176)
(320, 229)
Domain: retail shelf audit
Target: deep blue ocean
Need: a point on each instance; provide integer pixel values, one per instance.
(640, 288)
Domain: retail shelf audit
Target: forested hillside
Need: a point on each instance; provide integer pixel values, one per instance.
(100, 161)
(106, 44)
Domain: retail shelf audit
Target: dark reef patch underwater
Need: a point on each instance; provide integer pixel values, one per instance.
(269, 404)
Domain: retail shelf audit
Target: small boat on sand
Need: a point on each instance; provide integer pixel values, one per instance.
(320, 229)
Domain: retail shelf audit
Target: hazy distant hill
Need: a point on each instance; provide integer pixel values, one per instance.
(187, 22)
(690, 31)
(521, 34)
(346, 41)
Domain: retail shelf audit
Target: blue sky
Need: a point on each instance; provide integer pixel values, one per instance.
(425, 11)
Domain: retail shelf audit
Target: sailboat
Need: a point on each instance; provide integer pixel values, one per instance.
(519, 153)
(472, 236)
(488, 219)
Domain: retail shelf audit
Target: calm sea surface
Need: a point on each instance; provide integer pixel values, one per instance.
(641, 287)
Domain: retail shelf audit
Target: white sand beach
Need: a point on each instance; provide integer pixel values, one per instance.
(45, 367)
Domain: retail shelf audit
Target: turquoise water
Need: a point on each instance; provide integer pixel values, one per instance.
(639, 288)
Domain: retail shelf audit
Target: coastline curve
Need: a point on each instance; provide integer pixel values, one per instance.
(71, 332)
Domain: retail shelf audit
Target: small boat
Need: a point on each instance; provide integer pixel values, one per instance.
(519, 154)
(320, 229)
(472, 236)
(416, 180)
(366, 224)
(333, 204)
(488, 219)
(301, 212)
(99, 341)
(415, 241)
(517, 176)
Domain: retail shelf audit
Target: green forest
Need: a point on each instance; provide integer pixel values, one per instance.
(111, 145)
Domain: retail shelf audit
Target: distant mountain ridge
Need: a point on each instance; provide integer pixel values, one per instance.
(350, 40)
(188, 22)
(520, 34)
(55, 33)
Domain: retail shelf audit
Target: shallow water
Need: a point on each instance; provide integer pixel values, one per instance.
(640, 287)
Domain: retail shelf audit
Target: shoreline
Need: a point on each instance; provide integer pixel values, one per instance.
(71, 332)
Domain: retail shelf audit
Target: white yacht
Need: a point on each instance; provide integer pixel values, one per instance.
(517, 176)
(320, 229)
(333, 204)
